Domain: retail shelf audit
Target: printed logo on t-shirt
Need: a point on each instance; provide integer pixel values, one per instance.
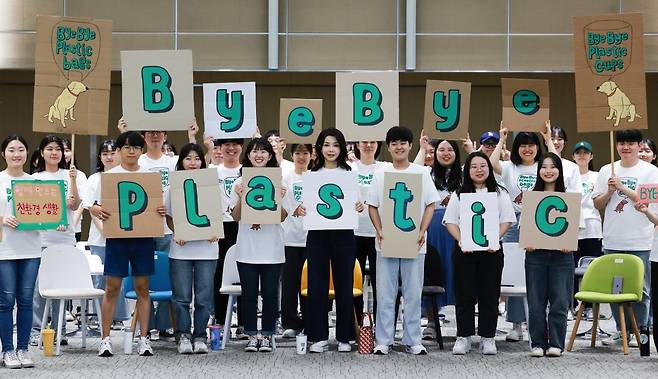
(228, 185)
(365, 180)
(526, 182)
(630, 183)
(587, 188)
(297, 191)
(164, 173)
(9, 195)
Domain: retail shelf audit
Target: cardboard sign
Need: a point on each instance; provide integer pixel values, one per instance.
(401, 214)
(39, 204)
(447, 108)
(648, 193)
(610, 78)
(479, 222)
(132, 201)
(72, 68)
(229, 110)
(261, 195)
(300, 120)
(526, 104)
(196, 205)
(330, 198)
(367, 104)
(157, 89)
(550, 220)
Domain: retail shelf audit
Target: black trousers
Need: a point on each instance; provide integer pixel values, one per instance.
(230, 236)
(290, 288)
(325, 247)
(365, 249)
(586, 247)
(477, 280)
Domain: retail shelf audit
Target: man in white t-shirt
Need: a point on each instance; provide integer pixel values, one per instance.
(393, 270)
(626, 230)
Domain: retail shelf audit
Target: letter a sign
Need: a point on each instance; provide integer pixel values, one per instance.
(261, 199)
(550, 220)
(401, 214)
(157, 89)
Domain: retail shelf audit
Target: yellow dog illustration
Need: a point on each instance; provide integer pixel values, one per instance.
(62, 108)
(620, 105)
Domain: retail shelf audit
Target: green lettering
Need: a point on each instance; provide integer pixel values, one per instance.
(260, 195)
(448, 109)
(329, 194)
(233, 113)
(192, 205)
(401, 196)
(367, 101)
(301, 121)
(156, 89)
(477, 229)
(526, 102)
(544, 208)
(132, 201)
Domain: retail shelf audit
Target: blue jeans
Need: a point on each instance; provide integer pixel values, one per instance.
(17, 281)
(641, 309)
(390, 271)
(160, 319)
(549, 282)
(268, 276)
(121, 312)
(187, 275)
(515, 307)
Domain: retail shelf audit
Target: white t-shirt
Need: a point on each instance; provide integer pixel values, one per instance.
(624, 228)
(262, 246)
(376, 192)
(572, 181)
(653, 256)
(365, 174)
(518, 179)
(96, 196)
(83, 176)
(592, 216)
(67, 237)
(165, 165)
(95, 237)
(227, 177)
(293, 227)
(286, 167)
(192, 250)
(505, 208)
(15, 244)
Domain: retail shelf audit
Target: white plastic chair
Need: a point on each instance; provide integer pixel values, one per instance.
(513, 278)
(230, 275)
(64, 275)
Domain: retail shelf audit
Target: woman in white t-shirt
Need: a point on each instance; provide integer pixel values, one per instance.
(192, 268)
(77, 214)
(20, 254)
(260, 255)
(477, 273)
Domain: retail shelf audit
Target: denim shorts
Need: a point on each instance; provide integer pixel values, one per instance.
(136, 253)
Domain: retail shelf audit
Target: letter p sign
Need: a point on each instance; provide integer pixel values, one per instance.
(132, 201)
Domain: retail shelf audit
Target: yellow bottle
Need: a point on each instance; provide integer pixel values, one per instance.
(48, 339)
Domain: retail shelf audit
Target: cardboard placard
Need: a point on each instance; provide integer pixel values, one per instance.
(132, 200)
(479, 221)
(157, 89)
(610, 78)
(401, 214)
(367, 104)
(329, 198)
(447, 109)
(550, 220)
(648, 193)
(300, 120)
(526, 104)
(72, 67)
(229, 110)
(196, 205)
(39, 204)
(261, 195)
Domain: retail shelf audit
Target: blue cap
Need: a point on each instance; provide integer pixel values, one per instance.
(489, 135)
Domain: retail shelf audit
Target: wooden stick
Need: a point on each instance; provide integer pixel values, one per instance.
(73, 149)
(612, 153)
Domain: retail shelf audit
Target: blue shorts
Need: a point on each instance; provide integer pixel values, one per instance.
(134, 253)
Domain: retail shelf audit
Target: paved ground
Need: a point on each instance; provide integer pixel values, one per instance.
(512, 361)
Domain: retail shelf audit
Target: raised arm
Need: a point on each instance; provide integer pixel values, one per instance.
(495, 156)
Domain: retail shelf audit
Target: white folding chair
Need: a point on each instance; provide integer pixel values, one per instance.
(230, 277)
(64, 275)
(513, 278)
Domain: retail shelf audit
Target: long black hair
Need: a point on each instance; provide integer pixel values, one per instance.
(185, 151)
(524, 138)
(259, 144)
(107, 146)
(559, 182)
(341, 160)
(41, 164)
(67, 145)
(467, 184)
(652, 146)
(447, 178)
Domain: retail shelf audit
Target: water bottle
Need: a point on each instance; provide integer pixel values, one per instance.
(127, 341)
(215, 337)
(644, 341)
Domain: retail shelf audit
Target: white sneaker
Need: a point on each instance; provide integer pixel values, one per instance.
(319, 347)
(154, 334)
(35, 337)
(614, 339)
(105, 349)
(144, 347)
(25, 358)
(515, 334)
(289, 333)
(415, 350)
(462, 346)
(69, 317)
(570, 315)
(200, 347)
(537, 352)
(344, 347)
(117, 325)
(381, 350)
(553, 352)
(10, 359)
(185, 345)
(488, 346)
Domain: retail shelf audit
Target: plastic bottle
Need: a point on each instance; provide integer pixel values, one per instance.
(48, 339)
(127, 341)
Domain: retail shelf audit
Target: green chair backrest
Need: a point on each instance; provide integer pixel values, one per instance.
(601, 272)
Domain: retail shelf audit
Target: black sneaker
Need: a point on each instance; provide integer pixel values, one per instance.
(265, 344)
(252, 345)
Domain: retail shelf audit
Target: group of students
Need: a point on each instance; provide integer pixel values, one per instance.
(271, 255)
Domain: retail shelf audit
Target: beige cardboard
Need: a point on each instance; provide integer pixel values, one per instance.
(147, 224)
(82, 94)
(208, 204)
(178, 64)
(515, 120)
(457, 126)
(387, 82)
(615, 97)
(398, 243)
(250, 215)
(286, 114)
(531, 236)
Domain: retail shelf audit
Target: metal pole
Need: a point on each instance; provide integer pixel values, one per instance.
(411, 35)
(273, 35)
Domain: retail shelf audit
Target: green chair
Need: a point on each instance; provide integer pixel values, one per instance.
(596, 288)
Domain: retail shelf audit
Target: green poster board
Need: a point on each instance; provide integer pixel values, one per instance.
(39, 204)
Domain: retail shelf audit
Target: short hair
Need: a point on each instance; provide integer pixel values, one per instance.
(106, 146)
(399, 133)
(559, 132)
(41, 163)
(270, 133)
(221, 141)
(13, 137)
(259, 144)
(524, 138)
(185, 151)
(306, 146)
(628, 135)
(130, 138)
